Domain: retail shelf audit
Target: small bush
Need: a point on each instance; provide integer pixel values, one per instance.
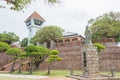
(99, 46)
(54, 52)
(13, 51)
(30, 48)
(4, 46)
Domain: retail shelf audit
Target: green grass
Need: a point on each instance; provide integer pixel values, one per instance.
(117, 74)
(54, 73)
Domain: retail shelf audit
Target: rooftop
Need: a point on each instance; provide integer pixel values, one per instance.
(35, 15)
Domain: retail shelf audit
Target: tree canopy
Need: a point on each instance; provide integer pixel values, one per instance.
(106, 26)
(8, 37)
(47, 33)
(54, 56)
(21, 4)
(4, 46)
(15, 53)
(24, 42)
(36, 54)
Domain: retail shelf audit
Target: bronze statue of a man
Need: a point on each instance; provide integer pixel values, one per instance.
(88, 36)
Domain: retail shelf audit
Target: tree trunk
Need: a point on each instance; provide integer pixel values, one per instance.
(12, 68)
(31, 68)
(20, 65)
(49, 68)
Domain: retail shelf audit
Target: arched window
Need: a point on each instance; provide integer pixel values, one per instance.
(75, 39)
(67, 40)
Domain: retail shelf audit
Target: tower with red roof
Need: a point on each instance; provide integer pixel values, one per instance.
(33, 23)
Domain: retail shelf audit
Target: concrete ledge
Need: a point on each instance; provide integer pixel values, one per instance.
(95, 78)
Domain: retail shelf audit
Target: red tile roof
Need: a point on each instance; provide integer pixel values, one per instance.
(35, 15)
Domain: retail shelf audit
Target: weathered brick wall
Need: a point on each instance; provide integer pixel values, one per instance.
(72, 58)
(4, 59)
(110, 58)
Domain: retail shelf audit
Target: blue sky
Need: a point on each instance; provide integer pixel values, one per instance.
(71, 15)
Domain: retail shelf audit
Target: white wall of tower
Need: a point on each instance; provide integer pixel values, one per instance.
(32, 29)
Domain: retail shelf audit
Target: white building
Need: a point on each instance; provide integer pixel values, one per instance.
(33, 23)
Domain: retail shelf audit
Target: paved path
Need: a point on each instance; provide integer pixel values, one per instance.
(36, 77)
(24, 76)
(57, 78)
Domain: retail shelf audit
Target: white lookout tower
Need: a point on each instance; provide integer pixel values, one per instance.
(33, 23)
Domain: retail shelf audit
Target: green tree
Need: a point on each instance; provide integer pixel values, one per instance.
(106, 26)
(15, 53)
(8, 37)
(21, 4)
(4, 46)
(47, 33)
(53, 57)
(37, 55)
(24, 42)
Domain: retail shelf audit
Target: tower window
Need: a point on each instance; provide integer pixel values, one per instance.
(37, 22)
(30, 30)
(28, 22)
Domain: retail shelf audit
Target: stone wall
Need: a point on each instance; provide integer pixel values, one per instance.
(72, 57)
(110, 58)
(4, 59)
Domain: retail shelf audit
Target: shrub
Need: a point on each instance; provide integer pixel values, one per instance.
(4, 46)
(30, 48)
(13, 51)
(99, 46)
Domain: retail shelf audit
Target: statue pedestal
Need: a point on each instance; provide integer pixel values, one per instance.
(90, 61)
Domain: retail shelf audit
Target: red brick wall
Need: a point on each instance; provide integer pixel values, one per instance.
(110, 58)
(72, 58)
(4, 59)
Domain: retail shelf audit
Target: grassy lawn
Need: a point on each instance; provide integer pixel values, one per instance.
(54, 73)
(117, 74)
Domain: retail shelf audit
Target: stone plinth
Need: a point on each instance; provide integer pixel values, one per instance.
(90, 62)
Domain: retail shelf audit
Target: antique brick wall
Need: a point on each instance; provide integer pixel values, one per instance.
(72, 57)
(110, 58)
(4, 59)
(71, 54)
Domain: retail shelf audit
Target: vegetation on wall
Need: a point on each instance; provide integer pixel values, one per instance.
(99, 46)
